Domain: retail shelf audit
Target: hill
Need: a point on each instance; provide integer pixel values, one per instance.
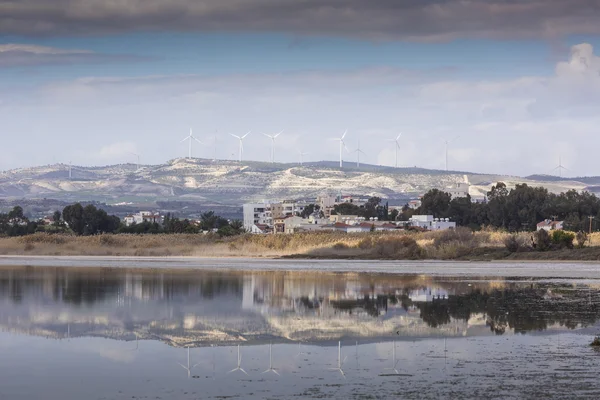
(230, 183)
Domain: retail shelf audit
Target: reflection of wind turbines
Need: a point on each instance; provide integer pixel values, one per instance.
(241, 139)
(560, 167)
(394, 361)
(188, 368)
(302, 154)
(300, 352)
(342, 147)
(340, 362)
(190, 137)
(396, 147)
(137, 345)
(358, 151)
(271, 369)
(239, 363)
(273, 137)
(447, 142)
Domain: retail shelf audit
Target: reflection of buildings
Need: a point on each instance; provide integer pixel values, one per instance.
(191, 308)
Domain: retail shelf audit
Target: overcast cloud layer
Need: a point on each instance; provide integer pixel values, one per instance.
(21, 55)
(427, 20)
(517, 126)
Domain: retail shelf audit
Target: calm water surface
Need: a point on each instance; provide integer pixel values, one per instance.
(123, 333)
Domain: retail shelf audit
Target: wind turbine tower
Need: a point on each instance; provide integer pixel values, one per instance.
(191, 137)
(342, 147)
(241, 140)
(396, 147)
(302, 154)
(560, 167)
(447, 142)
(138, 160)
(358, 151)
(70, 170)
(273, 137)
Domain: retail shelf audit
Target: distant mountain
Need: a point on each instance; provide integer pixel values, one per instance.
(230, 183)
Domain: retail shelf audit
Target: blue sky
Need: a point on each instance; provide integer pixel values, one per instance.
(512, 79)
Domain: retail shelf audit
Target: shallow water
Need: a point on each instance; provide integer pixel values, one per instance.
(122, 333)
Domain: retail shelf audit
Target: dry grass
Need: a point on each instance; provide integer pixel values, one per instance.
(458, 244)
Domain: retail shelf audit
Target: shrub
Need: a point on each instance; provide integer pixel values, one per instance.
(29, 247)
(400, 247)
(596, 342)
(512, 243)
(563, 239)
(340, 246)
(582, 239)
(460, 234)
(543, 241)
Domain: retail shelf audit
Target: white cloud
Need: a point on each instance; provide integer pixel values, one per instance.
(515, 126)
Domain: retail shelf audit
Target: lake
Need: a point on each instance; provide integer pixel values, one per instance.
(217, 329)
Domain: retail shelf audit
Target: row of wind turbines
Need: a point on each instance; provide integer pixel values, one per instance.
(342, 144)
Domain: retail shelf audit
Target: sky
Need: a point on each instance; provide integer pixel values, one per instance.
(513, 85)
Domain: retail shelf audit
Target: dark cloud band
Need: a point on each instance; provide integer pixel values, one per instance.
(426, 20)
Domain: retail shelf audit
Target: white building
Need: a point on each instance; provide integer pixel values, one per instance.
(550, 225)
(143, 216)
(458, 190)
(430, 223)
(257, 214)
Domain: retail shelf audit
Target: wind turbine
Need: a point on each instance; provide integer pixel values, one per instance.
(340, 362)
(273, 137)
(342, 147)
(447, 142)
(560, 167)
(358, 151)
(394, 361)
(241, 139)
(70, 170)
(271, 369)
(239, 362)
(138, 159)
(190, 137)
(188, 368)
(302, 154)
(397, 147)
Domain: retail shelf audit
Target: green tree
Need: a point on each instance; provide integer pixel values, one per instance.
(436, 203)
(73, 217)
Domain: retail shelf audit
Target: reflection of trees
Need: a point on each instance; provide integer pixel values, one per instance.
(523, 310)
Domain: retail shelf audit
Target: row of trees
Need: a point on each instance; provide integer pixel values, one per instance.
(90, 220)
(518, 209)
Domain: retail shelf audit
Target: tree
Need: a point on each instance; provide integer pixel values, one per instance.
(73, 217)
(56, 218)
(309, 210)
(436, 203)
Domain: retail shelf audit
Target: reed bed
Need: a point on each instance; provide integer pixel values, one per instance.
(455, 244)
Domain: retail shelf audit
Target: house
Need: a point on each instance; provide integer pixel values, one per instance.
(550, 225)
(430, 223)
(413, 204)
(458, 190)
(260, 229)
(362, 227)
(143, 216)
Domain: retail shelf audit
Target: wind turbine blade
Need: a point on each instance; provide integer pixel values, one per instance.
(347, 151)
(199, 141)
(246, 134)
(233, 370)
(269, 136)
(398, 138)
(186, 138)
(276, 373)
(241, 369)
(184, 367)
(344, 135)
(279, 133)
(235, 136)
(360, 151)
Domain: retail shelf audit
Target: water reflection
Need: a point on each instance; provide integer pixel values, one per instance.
(197, 308)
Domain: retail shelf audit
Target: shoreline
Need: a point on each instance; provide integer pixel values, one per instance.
(501, 269)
